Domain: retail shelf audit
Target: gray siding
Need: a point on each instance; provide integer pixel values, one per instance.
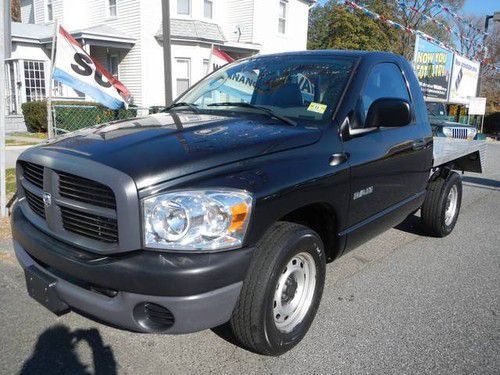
(27, 11)
(239, 13)
(39, 8)
(128, 21)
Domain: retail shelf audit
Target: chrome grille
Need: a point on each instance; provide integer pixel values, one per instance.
(33, 173)
(89, 225)
(459, 133)
(35, 203)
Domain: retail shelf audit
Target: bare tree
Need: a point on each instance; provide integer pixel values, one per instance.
(490, 78)
(470, 40)
(414, 16)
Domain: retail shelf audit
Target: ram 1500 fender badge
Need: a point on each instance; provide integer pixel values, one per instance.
(363, 192)
(47, 199)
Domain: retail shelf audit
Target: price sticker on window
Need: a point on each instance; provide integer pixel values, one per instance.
(317, 107)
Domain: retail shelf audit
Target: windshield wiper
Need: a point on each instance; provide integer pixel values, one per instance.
(191, 106)
(264, 110)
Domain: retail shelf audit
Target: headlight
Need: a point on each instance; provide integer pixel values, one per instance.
(471, 133)
(448, 132)
(196, 219)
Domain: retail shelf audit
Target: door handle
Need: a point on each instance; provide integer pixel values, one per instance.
(337, 159)
(419, 144)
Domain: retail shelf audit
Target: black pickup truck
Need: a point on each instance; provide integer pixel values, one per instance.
(226, 207)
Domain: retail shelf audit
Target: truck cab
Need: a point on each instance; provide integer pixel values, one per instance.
(226, 207)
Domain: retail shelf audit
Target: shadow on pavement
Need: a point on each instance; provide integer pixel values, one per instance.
(486, 182)
(55, 353)
(412, 224)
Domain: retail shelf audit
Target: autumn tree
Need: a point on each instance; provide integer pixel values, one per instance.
(15, 10)
(333, 26)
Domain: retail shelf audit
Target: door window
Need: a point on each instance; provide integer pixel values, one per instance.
(385, 81)
(183, 67)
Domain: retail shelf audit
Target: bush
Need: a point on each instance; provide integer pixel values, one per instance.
(76, 115)
(492, 124)
(35, 116)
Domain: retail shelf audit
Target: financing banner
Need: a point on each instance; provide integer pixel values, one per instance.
(432, 65)
(464, 78)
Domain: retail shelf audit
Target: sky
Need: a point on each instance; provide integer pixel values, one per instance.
(472, 7)
(481, 7)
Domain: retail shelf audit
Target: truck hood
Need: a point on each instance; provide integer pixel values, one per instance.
(165, 146)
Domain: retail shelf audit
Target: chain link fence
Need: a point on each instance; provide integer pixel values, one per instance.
(68, 118)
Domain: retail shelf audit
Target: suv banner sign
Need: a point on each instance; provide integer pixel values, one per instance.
(464, 79)
(77, 69)
(432, 65)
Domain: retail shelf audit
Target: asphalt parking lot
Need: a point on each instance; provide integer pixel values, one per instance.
(402, 303)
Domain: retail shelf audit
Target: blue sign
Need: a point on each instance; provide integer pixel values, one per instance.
(432, 65)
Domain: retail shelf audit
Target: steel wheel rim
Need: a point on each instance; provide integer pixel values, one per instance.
(451, 205)
(294, 292)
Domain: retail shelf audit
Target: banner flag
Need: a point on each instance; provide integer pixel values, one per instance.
(76, 68)
(218, 59)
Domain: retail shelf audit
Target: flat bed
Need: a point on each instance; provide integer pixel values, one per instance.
(462, 154)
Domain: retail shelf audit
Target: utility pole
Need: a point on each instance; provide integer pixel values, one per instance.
(5, 49)
(167, 52)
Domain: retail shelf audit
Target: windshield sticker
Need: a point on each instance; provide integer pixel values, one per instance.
(317, 107)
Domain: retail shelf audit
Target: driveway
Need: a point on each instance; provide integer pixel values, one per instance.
(402, 303)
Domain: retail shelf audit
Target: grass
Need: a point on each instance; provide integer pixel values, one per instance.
(13, 142)
(30, 135)
(10, 180)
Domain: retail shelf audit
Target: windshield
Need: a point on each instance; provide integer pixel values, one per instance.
(298, 87)
(436, 109)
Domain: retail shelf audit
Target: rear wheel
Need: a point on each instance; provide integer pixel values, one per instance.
(442, 204)
(282, 290)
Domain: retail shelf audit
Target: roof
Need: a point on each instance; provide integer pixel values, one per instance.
(103, 35)
(193, 30)
(30, 31)
(42, 34)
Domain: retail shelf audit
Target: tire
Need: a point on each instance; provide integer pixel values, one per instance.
(255, 322)
(437, 201)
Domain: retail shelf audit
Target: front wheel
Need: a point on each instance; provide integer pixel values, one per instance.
(282, 290)
(442, 204)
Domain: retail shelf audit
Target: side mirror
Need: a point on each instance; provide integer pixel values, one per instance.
(388, 112)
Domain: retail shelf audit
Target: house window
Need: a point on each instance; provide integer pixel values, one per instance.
(208, 8)
(113, 62)
(282, 18)
(112, 8)
(34, 80)
(184, 7)
(49, 10)
(183, 69)
(206, 62)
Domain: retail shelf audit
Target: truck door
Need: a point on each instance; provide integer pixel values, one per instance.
(389, 166)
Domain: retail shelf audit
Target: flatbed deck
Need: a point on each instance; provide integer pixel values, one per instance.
(469, 155)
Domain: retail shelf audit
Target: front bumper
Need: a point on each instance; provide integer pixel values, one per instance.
(200, 290)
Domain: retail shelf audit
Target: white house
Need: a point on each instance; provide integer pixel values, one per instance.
(126, 37)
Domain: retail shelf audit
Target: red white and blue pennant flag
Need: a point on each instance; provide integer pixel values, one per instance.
(76, 68)
(409, 30)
